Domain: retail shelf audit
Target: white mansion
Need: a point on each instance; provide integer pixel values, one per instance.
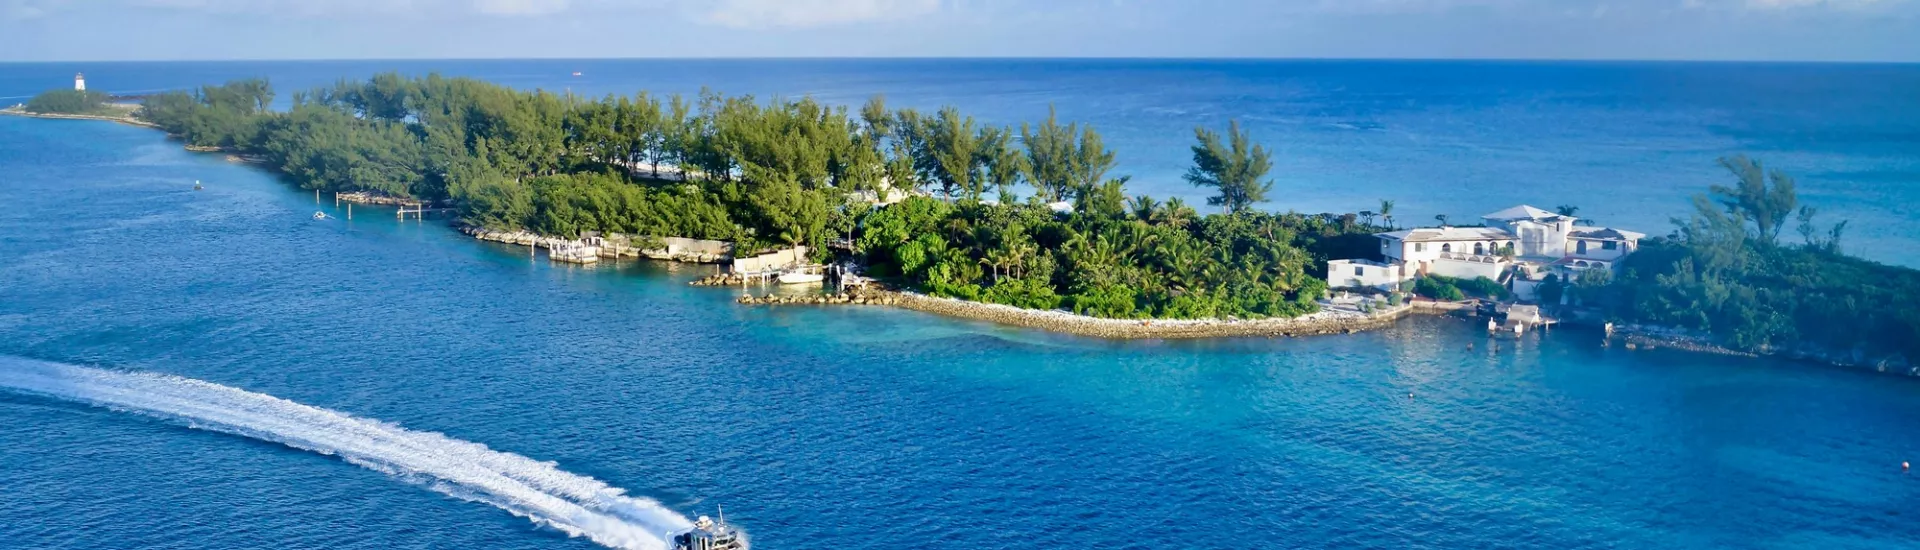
(1518, 246)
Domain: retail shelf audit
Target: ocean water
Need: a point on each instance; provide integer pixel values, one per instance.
(216, 369)
(1627, 143)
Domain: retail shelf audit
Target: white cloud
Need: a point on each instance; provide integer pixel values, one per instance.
(753, 14)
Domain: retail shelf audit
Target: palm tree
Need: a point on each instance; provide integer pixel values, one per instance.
(1177, 213)
(1147, 210)
(1442, 218)
(1020, 249)
(1566, 210)
(1386, 212)
(1366, 217)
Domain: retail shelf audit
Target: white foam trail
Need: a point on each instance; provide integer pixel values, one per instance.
(575, 504)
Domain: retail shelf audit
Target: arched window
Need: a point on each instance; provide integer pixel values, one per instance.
(1448, 247)
(1479, 249)
(1582, 247)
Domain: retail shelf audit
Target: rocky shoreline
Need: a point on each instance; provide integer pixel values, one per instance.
(1325, 322)
(1652, 338)
(611, 247)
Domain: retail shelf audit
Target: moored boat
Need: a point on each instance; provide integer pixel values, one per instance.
(800, 278)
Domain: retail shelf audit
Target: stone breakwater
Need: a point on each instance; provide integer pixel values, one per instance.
(1060, 321)
(851, 299)
(1650, 338)
(1326, 322)
(721, 279)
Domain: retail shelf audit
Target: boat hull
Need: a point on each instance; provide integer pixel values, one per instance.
(801, 278)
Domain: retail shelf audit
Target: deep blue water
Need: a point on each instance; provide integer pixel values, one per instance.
(843, 428)
(1628, 143)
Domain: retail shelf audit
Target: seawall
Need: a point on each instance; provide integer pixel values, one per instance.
(1325, 322)
(614, 246)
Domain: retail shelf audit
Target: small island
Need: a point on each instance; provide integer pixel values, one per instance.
(1028, 225)
(78, 103)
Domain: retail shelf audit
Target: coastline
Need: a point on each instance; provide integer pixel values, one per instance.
(610, 246)
(1322, 323)
(128, 120)
(1327, 321)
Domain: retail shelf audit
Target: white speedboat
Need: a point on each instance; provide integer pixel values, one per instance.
(708, 534)
(801, 278)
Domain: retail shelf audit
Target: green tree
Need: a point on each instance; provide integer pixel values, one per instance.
(1752, 199)
(1091, 162)
(1235, 169)
(1051, 156)
(879, 121)
(67, 102)
(954, 143)
(1004, 165)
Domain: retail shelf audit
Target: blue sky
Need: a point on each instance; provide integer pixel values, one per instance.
(1846, 30)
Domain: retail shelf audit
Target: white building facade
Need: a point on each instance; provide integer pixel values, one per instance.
(1364, 274)
(1519, 246)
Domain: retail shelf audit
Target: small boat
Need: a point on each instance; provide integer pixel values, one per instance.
(197, 186)
(708, 534)
(798, 277)
(320, 215)
(576, 73)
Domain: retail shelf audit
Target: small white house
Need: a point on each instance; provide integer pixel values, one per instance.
(1602, 243)
(1364, 274)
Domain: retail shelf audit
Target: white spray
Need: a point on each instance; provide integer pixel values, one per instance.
(575, 504)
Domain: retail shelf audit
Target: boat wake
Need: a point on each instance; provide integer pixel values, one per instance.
(575, 504)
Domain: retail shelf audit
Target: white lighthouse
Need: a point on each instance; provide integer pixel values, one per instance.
(79, 82)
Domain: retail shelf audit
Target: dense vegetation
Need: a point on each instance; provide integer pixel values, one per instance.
(788, 172)
(68, 102)
(1441, 287)
(1726, 272)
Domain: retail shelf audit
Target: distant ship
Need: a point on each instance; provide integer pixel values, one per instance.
(576, 73)
(708, 534)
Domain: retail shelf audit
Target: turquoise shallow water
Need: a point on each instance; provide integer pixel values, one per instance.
(844, 428)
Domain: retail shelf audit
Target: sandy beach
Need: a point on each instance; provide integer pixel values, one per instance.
(20, 110)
